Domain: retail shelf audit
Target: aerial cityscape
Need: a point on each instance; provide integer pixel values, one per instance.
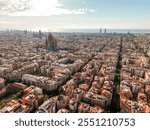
(50, 70)
(74, 72)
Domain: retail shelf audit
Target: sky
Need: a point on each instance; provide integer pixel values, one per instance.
(74, 14)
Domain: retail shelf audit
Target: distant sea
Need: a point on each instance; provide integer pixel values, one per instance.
(107, 30)
(142, 31)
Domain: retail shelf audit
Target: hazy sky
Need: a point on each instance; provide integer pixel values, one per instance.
(59, 14)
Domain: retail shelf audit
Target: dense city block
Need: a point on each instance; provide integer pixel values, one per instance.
(43, 72)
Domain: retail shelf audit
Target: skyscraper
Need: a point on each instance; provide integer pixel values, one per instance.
(105, 31)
